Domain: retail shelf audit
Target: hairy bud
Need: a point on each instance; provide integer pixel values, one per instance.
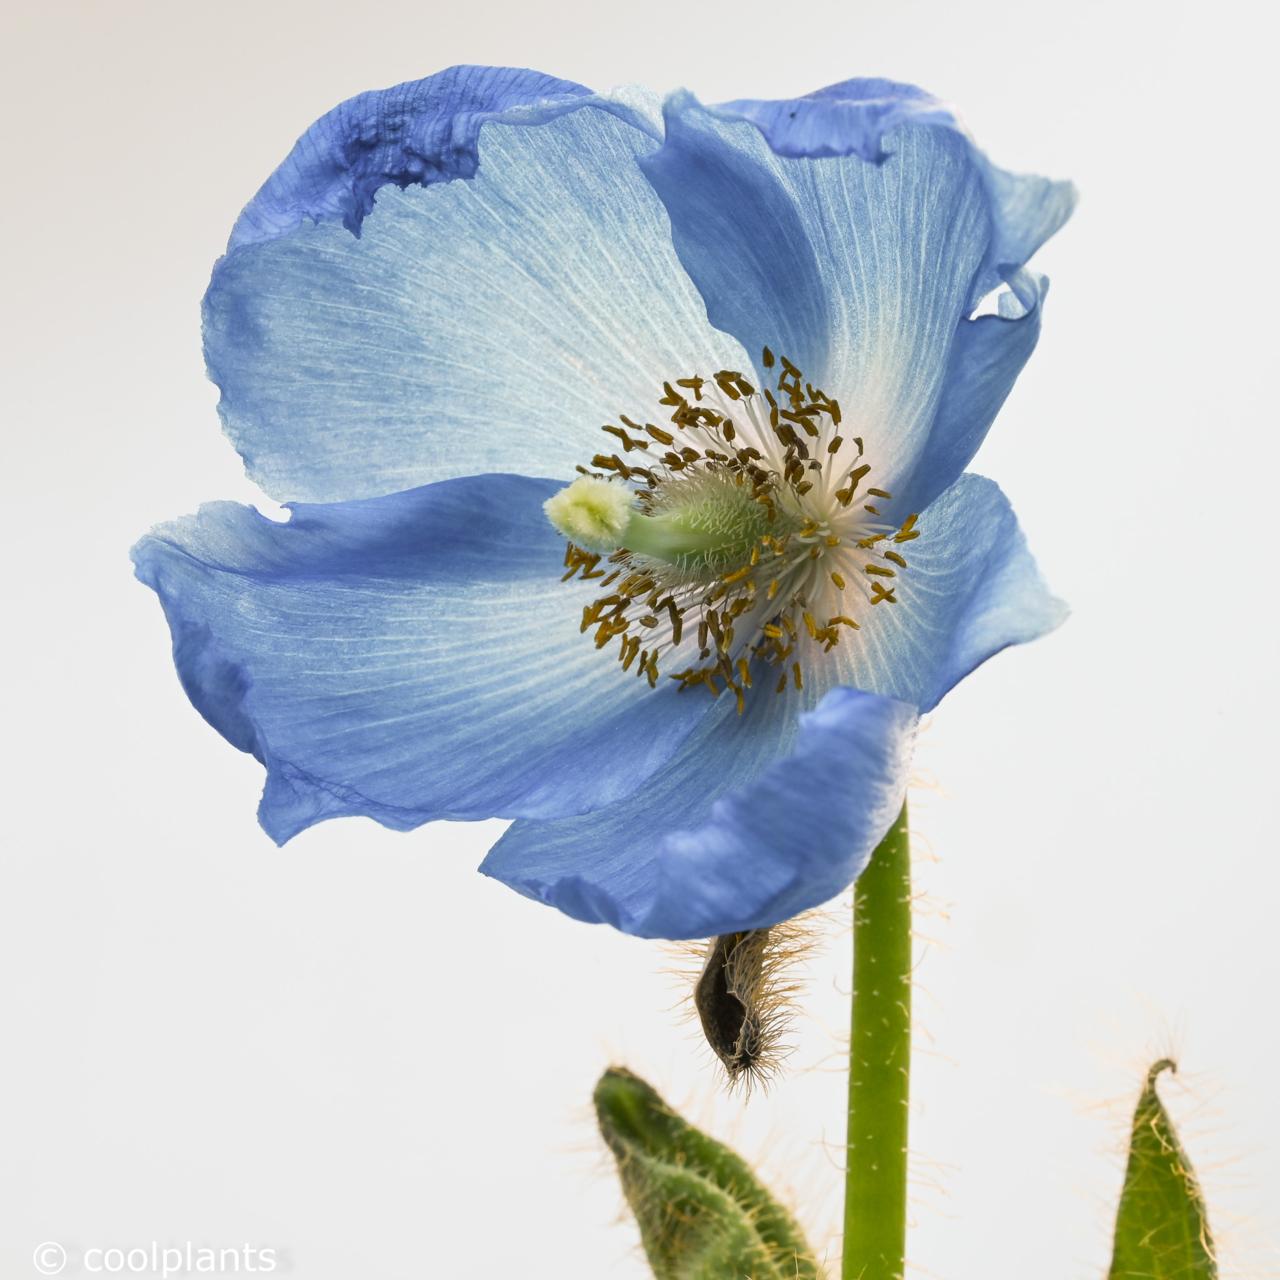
(701, 1210)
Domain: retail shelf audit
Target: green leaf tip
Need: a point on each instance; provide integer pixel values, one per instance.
(1162, 1228)
(703, 1214)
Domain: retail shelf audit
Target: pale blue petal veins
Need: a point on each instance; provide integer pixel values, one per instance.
(492, 324)
(987, 355)
(971, 589)
(860, 272)
(408, 658)
(420, 132)
(854, 117)
(757, 818)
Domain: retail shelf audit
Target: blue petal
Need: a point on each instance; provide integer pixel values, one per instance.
(757, 818)
(408, 658)
(854, 117)
(856, 229)
(986, 358)
(846, 119)
(1027, 211)
(858, 272)
(487, 325)
(971, 588)
(741, 236)
(421, 132)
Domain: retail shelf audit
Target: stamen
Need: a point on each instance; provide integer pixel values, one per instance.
(745, 525)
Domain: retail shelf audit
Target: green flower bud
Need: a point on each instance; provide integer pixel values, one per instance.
(703, 1214)
(1162, 1228)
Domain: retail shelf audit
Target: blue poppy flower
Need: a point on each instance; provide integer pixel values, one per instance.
(692, 676)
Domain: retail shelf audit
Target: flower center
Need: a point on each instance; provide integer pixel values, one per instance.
(745, 538)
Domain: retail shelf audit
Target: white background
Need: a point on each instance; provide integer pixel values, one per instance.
(359, 1052)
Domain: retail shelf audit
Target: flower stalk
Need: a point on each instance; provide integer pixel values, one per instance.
(875, 1205)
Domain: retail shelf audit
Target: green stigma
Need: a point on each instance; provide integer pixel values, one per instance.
(705, 525)
(592, 513)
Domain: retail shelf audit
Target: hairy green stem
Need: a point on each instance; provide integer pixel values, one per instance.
(875, 1196)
